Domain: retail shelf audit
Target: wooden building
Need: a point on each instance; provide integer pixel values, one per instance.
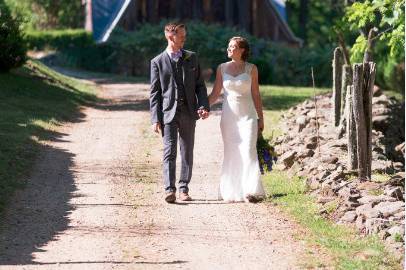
(261, 18)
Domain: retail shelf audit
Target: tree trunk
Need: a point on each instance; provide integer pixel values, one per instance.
(352, 162)
(337, 74)
(303, 16)
(344, 49)
(368, 57)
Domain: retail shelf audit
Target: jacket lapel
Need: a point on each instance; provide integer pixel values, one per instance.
(184, 66)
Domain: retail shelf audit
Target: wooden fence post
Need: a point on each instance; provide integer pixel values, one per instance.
(363, 81)
(337, 73)
(352, 162)
(346, 81)
(369, 78)
(359, 115)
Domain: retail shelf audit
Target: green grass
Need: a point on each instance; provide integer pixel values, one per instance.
(34, 101)
(277, 99)
(347, 249)
(342, 244)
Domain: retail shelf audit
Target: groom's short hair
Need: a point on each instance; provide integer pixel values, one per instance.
(173, 27)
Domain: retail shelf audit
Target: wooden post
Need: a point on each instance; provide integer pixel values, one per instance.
(337, 73)
(352, 162)
(346, 81)
(359, 115)
(369, 78)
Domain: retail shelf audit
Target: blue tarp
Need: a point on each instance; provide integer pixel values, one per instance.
(281, 7)
(105, 16)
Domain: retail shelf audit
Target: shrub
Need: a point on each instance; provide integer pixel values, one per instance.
(130, 53)
(58, 39)
(12, 46)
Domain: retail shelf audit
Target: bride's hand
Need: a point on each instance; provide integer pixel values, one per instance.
(260, 125)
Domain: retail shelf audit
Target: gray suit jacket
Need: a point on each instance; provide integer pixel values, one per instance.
(163, 96)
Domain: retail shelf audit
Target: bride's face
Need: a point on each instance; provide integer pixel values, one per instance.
(233, 51)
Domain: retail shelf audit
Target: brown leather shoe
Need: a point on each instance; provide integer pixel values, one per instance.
(170, 197)
(253, 199)
(183, 196)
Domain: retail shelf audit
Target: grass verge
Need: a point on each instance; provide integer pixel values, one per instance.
(343, 244)
(34, 101)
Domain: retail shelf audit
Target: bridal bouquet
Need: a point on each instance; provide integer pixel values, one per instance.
(266, 154)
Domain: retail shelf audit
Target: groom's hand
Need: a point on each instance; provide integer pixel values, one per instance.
(157, 128)
(203, 113)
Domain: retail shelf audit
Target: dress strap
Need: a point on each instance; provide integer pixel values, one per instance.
(222, 69)
(248, 68)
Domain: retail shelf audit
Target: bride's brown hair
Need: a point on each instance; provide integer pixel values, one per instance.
(243, 44)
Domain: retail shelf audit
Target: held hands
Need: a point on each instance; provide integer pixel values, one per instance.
(203, 113)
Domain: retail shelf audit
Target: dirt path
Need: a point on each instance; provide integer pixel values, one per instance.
(95, 201)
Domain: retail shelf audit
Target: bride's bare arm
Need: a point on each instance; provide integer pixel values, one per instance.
(256, 96)
(218, 85)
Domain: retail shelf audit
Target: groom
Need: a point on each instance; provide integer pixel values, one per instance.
(178, 98)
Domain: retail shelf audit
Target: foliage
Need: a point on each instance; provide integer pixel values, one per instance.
(388, 17)
(49, 14)
(12, 48)
(130, 52)
(321, 17)
(33, 101)
(58, 39)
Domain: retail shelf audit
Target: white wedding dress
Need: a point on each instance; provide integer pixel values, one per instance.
(240, 175)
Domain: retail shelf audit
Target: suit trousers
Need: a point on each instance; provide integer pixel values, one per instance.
(183, 124)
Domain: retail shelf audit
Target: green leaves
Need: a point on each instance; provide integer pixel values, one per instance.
(388, 16)
(360, 15)
(12, 46)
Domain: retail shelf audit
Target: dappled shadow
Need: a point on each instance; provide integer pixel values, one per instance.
(37, 214)
(40, 212)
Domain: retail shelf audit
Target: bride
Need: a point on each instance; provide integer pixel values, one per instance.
(241, 122)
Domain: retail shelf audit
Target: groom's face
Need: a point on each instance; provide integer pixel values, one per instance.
(179, 38)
